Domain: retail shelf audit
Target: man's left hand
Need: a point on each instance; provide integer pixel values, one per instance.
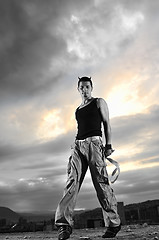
(108, 152)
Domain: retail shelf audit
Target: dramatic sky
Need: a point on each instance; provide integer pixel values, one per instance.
(44, 47)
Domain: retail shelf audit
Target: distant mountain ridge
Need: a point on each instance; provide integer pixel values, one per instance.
(8, 214)
(37, 216)
(11, 216)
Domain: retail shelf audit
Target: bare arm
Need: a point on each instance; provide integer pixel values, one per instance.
(105, 119)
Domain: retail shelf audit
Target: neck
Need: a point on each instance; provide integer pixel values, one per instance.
(86, 99)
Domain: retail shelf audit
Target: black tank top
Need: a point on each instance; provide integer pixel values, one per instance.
(88, 120)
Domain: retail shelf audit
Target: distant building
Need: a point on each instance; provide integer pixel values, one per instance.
(142, 212)
(3, 222)
(94, 218)
(121, 212)
(89, 219)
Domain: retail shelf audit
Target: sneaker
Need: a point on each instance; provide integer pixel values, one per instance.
(64, 232)
(111, 232)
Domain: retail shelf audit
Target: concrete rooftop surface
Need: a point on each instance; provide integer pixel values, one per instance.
(136, 232)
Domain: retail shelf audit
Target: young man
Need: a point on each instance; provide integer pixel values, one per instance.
(88, 151)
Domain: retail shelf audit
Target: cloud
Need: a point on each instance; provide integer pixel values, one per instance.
(46, 40)
(141, 127)
(138, 185)
(26, 57)
(110, 25)
(25, 194)
(31, 50)
(44, 47)
(56, 146)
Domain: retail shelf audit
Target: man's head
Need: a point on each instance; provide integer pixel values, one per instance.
(85, 79)
(85, 87)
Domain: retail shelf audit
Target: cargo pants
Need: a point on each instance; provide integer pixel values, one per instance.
(87, 153)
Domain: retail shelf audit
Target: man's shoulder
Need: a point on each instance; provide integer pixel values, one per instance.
(101, 101)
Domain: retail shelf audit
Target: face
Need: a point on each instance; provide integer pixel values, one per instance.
(85, 89)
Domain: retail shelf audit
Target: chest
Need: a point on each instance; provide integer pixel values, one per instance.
(88, 112)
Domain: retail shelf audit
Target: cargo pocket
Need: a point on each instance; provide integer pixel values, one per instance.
(70, 184)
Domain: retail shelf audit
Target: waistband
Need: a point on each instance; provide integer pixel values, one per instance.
(90, 138)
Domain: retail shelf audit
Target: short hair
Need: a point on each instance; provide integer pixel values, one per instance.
(85, 79)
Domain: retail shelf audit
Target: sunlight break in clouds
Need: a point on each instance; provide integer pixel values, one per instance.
(124, 99)
(135, 165)
(56, 122)
(51, 125)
